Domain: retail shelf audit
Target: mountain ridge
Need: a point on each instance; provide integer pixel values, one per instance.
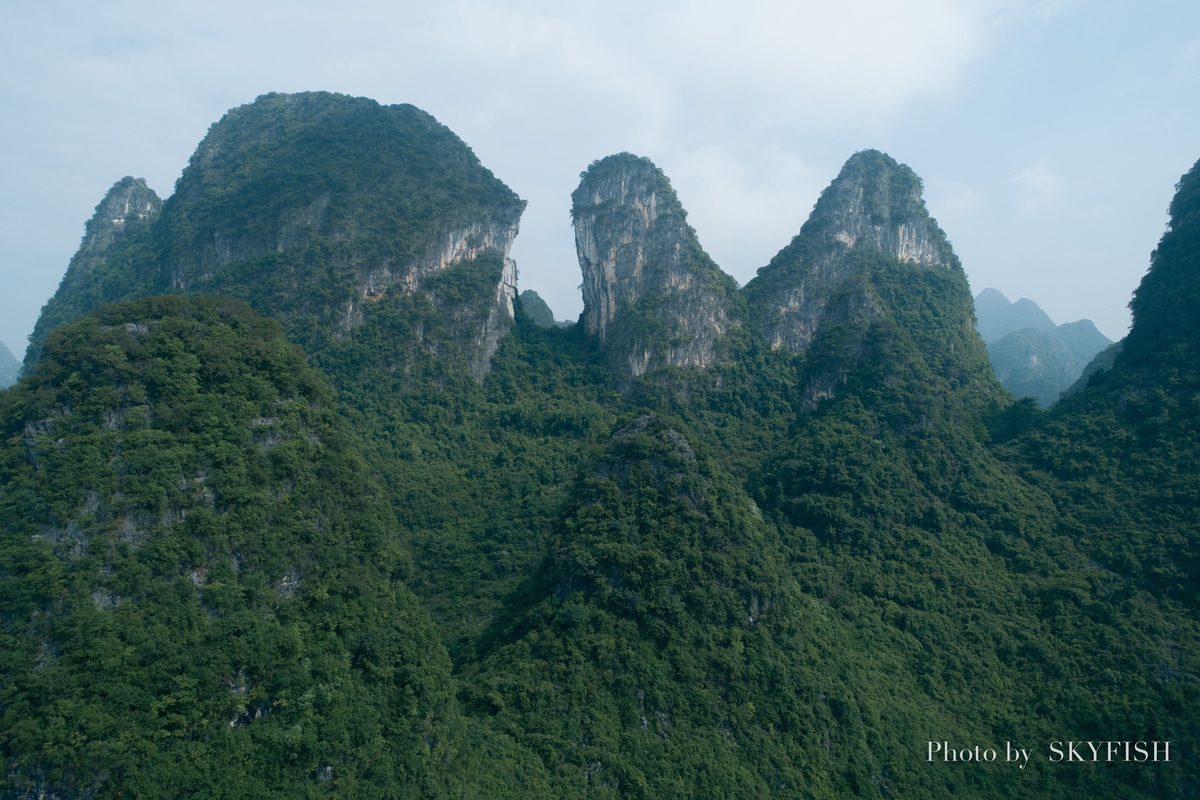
(1032, 356)
(780, 559)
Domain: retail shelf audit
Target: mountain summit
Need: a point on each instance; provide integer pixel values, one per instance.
(872, 209)
(312, 207)
(1032, 356)
(116, 235)
(651, 294)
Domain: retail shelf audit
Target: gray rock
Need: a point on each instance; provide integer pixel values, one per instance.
(125, 213)
(651, 295)
(873, 208)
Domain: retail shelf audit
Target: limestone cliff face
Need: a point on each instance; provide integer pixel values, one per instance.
(872, 209)
(129, 202)
(122, 219)
(385, 194)
(481, 322)
(651, 294)
(869, 288)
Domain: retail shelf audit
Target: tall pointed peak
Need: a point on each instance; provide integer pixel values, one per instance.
(129, 202)
(873, 211)
(121, 222)
(651, 294)
(876, 204)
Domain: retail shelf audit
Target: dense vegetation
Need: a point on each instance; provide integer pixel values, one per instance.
(203, 591)
(230, 570)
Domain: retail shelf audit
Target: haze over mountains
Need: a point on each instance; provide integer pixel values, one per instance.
(320, 506)
(10, 367)
(1032, 356)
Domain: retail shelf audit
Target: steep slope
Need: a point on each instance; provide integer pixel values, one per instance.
(872, 208)
(1121, 453)
(651, 295)
(112, 262)
(315, 208)
(202, 589)
(634, 661)
(868, 274)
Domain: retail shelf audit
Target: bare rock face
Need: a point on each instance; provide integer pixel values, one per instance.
(312, 208)
(385, 194)
(651, 295)
(872, 209)
(129, 202)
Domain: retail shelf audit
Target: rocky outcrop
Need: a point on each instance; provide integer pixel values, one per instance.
(481, 322)
(651, 295)
(385, 194)
(872, 210)
(101, 270)
(870, 289)
(312, 207)
(128, 203)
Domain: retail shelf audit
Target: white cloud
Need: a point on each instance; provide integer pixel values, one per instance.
(764, 62)
(744, 206)
(953, 202)
(1040, 188)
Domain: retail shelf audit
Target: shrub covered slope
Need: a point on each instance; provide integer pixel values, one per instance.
(228, 572)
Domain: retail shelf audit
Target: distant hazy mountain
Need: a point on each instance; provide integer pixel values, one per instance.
(10, 368)
(1032, 356)
(998, 317)
(536, 309)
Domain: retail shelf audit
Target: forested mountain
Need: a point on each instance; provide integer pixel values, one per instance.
(407, 539)
(1032, 356)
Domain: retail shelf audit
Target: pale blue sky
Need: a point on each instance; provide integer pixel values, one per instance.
(1049, 135)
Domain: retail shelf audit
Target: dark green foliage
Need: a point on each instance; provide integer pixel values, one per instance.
(1165, 324)
(202, 586)
(1121, 453)
(782, 575)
